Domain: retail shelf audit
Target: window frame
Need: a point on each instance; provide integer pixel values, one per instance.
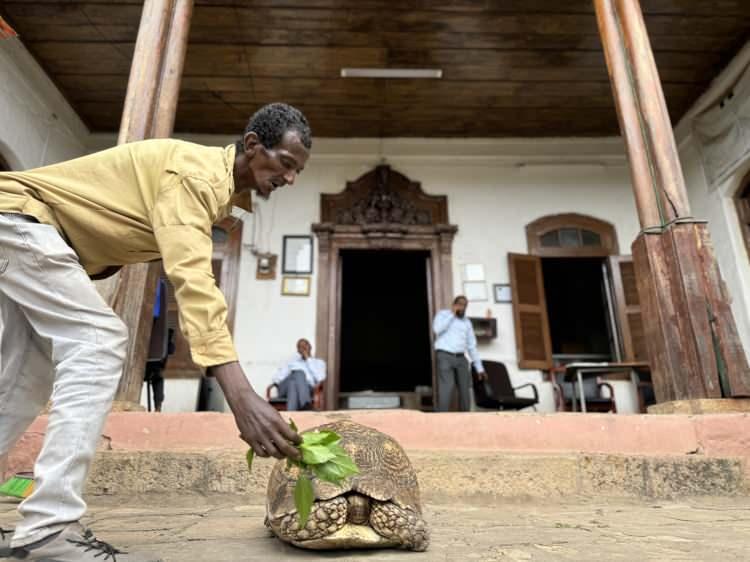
(542, 226)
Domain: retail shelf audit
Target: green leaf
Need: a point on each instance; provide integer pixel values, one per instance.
(325, 438)
(303, 499)
(249, 457)
(338, 450)
(329, 472)
(315, 454)
(293, 426)
(346, 464)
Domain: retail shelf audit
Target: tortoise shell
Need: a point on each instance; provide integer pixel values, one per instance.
(385, 472)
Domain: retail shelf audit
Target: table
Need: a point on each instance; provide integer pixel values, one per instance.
(576, 372)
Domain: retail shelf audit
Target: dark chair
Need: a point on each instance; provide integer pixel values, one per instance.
(497, 393)
(645, 388)
(592, 390)
(280, 403)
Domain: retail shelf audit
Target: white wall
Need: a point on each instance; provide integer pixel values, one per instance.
(37, 125)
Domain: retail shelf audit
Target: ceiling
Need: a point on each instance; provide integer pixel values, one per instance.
(510, 67)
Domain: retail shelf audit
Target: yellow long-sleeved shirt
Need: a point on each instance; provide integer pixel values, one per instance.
(139, 202)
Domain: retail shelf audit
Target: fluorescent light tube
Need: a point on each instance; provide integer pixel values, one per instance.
(391, 73)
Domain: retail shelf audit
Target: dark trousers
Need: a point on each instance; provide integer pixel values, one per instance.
(155, 382)
(297, 392)
(453, 370)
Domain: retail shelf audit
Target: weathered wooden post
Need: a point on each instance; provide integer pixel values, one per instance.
(694, 349)
(150, 107)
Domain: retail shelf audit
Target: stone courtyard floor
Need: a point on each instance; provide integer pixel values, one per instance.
(186, 528)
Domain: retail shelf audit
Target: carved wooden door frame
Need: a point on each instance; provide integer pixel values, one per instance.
(382, 210)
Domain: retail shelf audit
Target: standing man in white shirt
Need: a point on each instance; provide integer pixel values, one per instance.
(297, 378)
(454, 338)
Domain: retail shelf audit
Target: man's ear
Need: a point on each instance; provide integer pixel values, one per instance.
(252, 143)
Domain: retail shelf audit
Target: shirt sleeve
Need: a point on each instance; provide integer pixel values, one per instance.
(471, 346)
(317, 369)
(442, 322)
(182, 218)
(281, 374)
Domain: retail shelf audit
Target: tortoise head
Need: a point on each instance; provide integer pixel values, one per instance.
(359, 509)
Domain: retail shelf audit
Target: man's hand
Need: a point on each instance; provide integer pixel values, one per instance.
(481, 376)
(259, 423)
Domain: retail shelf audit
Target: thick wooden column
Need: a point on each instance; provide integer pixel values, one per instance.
(693, 345)
(149, 112)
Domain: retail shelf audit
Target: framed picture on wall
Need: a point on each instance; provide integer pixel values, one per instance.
(294, 286)
(473, 272)
(298, 255)
(475, 291)
(502, 293)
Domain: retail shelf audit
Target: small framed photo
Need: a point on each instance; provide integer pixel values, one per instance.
(295, 286)
(475, 291)
(502, 293)
(473, 272)
(298, 255)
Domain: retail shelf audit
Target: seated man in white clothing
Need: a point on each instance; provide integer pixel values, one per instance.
(297, 378)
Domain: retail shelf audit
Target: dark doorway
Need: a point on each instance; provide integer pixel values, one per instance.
(385, 323)
(577, 307)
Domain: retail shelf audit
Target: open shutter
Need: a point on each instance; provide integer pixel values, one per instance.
(533, 343)
(628, 308)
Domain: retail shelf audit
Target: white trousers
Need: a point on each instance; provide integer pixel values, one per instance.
(60, 340)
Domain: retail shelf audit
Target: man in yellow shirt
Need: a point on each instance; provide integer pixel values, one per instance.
(64, 224)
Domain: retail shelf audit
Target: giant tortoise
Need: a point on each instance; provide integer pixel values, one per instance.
(379, 507)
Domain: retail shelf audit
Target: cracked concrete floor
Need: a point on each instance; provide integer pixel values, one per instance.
(187, 528)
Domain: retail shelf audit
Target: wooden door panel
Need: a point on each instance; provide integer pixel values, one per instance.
(628, 308)
(533, 342)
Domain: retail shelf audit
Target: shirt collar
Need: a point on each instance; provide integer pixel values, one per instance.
(244, 199)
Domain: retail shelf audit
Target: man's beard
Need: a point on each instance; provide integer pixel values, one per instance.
(460, 313)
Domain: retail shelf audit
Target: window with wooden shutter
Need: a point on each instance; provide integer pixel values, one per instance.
(533, 343)
(628, 308)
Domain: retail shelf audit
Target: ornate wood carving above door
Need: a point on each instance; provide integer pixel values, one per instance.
(381, 210)
(383, 196)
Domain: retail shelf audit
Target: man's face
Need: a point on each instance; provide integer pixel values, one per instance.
(461, 308)
(304, 347)
(272, 168)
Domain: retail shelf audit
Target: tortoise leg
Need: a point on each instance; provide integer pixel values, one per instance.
(326, 517)
(398, 523)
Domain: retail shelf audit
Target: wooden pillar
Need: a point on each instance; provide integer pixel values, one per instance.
(149, 112)
(693, 345)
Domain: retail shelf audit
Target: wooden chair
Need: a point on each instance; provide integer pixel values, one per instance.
(280, 403)
(592, 390)
(497, 392)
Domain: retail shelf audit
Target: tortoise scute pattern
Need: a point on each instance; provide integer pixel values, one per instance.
(326, 517)
(394, 522)
(386, 487)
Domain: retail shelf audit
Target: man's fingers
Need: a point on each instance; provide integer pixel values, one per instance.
(258, 448)
(287, 432)
(270, 447)
(286, 449)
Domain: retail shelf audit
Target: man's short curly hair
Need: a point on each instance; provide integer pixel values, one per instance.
(271, 121)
